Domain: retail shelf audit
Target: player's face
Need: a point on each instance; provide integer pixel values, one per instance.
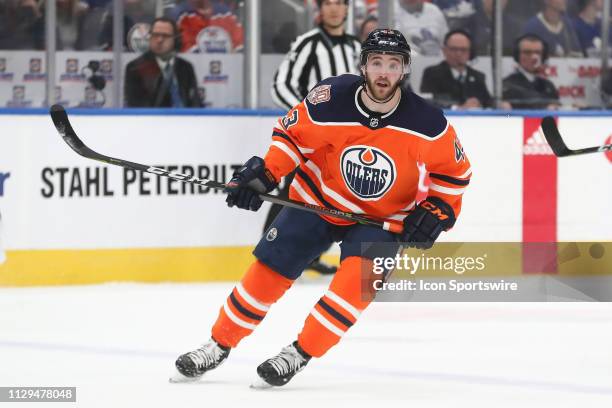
(457, 50)
(530, 55)
(383, 73)
(161, 40)
(333, 13)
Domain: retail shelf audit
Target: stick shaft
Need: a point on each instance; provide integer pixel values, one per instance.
(64, 128)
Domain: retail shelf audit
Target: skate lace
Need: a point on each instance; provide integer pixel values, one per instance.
(287, 361)
(206, 355)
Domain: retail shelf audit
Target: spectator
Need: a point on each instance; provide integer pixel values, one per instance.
(159, 78)
(555, 29)
(92, 24)
(22, 26)
(452, 82)
(527, 88)
(205, 30)
(423, 24)
(69, 23)
(367, 26)
(606, 88)
(458, 13)
(320, 53)
(174, 9)
(524, 10)
(587, 25)
(481, 28)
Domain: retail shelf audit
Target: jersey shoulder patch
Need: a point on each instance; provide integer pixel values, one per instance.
(319, 94)
(332, 100)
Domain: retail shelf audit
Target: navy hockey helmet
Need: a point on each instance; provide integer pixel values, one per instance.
(385, 41)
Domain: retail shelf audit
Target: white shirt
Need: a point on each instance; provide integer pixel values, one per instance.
(424, 30)
(530, 77)
(162, 64)
(457, 74)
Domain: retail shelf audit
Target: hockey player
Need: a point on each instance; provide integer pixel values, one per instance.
(355, 141)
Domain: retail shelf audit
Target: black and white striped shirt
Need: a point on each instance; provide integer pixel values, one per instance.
(314, 56)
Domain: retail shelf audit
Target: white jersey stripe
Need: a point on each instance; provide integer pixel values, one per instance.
(345, 305)
(466, 174)
(331, 193)
(282, 146)
(446, 190)
(305, 196)
(236, 319)
(409, 206)
(422, 136)
(326, 323)
(250, 299)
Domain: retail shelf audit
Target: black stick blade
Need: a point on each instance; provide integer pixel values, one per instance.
(62, 124)
(553, 137)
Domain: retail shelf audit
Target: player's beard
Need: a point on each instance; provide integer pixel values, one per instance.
(378, 94)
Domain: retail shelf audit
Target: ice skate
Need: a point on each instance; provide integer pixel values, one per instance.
(191, 366)
(281, 368)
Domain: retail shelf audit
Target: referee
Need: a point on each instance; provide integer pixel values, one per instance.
(324, 51)
(320, 53)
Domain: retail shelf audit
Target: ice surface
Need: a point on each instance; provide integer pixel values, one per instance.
(117, 343)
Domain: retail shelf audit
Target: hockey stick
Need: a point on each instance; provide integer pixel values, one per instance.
(62, 124)
(554, 139)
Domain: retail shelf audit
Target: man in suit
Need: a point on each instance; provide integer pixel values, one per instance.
(452, 82)
(159, 78)
(527, 88)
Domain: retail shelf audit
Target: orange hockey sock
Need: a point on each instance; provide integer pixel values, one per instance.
(248, 304)
(337, 310)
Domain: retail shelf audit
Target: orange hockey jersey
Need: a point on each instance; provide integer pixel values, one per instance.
(355, 160)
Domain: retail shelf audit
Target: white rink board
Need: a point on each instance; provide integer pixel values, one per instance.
(585, 182)
(133, 220)
(492, 209)
(494, 147)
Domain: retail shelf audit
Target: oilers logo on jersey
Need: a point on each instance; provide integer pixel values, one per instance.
(367, 171)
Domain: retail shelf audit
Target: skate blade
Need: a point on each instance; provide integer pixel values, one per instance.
(178, 378)
(260, 384)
